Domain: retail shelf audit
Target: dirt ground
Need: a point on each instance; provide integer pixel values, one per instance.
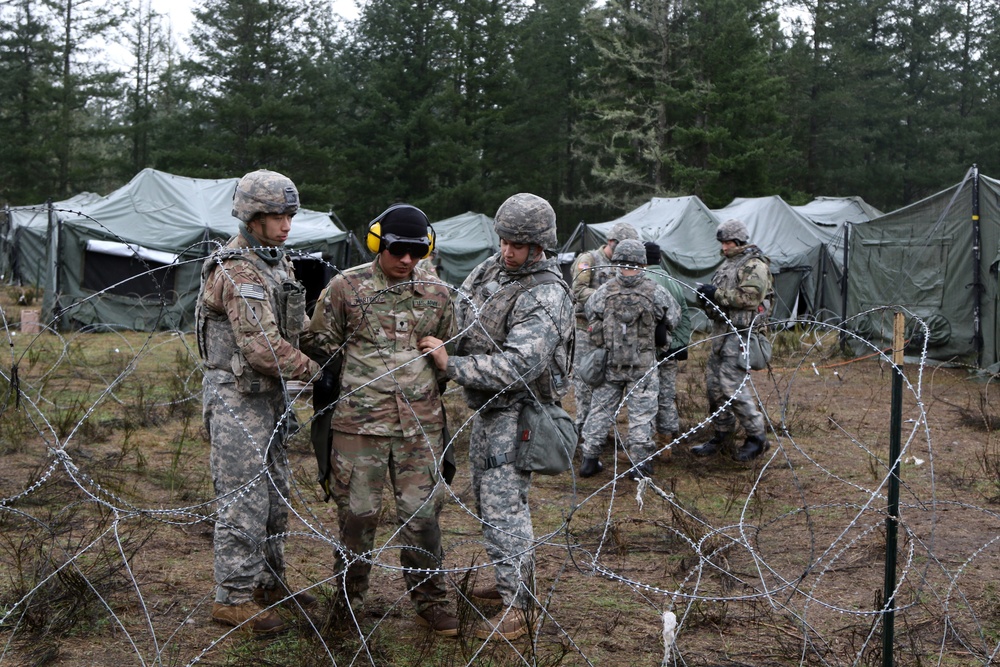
(106, 536)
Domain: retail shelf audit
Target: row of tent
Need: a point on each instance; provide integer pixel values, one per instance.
(133, 258)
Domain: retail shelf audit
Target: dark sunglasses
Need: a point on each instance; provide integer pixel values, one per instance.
(402, 249)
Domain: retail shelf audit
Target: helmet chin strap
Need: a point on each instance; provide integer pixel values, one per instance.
(270, 254)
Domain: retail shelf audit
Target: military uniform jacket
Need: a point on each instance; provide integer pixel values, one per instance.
(517, 332)
(590, 270)
(623, 315)
(249, 318)
(743, 286)
(387, 387)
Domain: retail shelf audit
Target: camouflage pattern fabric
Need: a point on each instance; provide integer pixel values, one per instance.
(538, 334)
(590, 270)
(242, 310)
(359, 464)
(387, 387)
(246, 325)
(250, 478)
(743, 283)
(667, 419)
(646, 303)
(389, 418)
(640, 397)
(724, 372)
(623, 315)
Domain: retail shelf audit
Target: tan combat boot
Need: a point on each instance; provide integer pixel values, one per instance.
(248, 615)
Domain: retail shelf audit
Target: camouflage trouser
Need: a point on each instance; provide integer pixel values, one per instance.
(640, 397)
(723, 375)
(581, 390)
(250, 476)
(358, 467)
(502, 501)
(667, 421)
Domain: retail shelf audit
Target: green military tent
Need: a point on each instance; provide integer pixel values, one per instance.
(937, 259)
(133, 259)
(462, 242)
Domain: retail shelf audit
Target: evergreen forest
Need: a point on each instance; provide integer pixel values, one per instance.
(453, 105)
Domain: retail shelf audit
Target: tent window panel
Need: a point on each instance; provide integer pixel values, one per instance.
(908, 272)
(128, 276)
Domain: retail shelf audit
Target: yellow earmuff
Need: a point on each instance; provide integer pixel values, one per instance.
(373, 238)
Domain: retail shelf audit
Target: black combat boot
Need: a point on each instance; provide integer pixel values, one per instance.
(754, 446)
(590, 467)
(711, 447)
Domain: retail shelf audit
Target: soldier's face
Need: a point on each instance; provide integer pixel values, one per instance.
(395, 267)
(727, 246)
(514, 254)
(272, 228)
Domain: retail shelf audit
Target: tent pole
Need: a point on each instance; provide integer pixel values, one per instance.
(844, 288)
(977, 283)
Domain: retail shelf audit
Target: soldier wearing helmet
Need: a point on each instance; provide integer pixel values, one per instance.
(392, 426)
(591, 270)
(249, 315)
(630, 317)
(738, 301)
(516, 318)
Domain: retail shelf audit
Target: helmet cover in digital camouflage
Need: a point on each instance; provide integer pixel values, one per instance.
(622, 231)
(629, 251)
(733, 230)
(526, 218)
(264, 191)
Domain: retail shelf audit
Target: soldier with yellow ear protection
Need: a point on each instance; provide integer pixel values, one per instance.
(393, 419)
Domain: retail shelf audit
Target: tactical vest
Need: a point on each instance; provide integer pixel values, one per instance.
(629, 326)
(216, 339)
(497, 292)
(727, 277)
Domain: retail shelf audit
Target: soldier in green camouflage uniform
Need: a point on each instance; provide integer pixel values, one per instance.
(389, 417)
(624, 315)
(667, 421)
(516, 318)
(739, 291)
(250, 313)
(591, 270)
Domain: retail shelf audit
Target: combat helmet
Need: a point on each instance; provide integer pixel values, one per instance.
(526, 218)
(733, 230)
(622, 231)
(630, 251)
(264, 191)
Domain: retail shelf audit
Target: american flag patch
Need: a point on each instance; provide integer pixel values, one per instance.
(251, 291)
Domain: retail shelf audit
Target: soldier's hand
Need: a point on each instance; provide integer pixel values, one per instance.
(435, 348)
(707, 291)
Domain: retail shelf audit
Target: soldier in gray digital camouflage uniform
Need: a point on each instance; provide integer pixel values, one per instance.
(591, 269)
(630, 316)
(250, 313)
(738, 297)
(389, 418)
(667, 420)
(516, 319)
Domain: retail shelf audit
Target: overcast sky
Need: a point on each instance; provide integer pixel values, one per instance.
(180, 15)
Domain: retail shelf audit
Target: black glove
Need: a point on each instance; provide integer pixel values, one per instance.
(707, 290)
(679, 355)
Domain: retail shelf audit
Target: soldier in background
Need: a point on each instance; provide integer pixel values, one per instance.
(630, 316)
(739, 292)
(591, 270)
(517, 326)
(250, 313)
(667, 420)
(390, 417)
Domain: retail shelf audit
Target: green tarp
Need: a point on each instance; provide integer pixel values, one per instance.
(923, 259)
(462, 242)
(133, 259)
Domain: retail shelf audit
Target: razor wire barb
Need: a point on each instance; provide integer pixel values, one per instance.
(702, 543)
